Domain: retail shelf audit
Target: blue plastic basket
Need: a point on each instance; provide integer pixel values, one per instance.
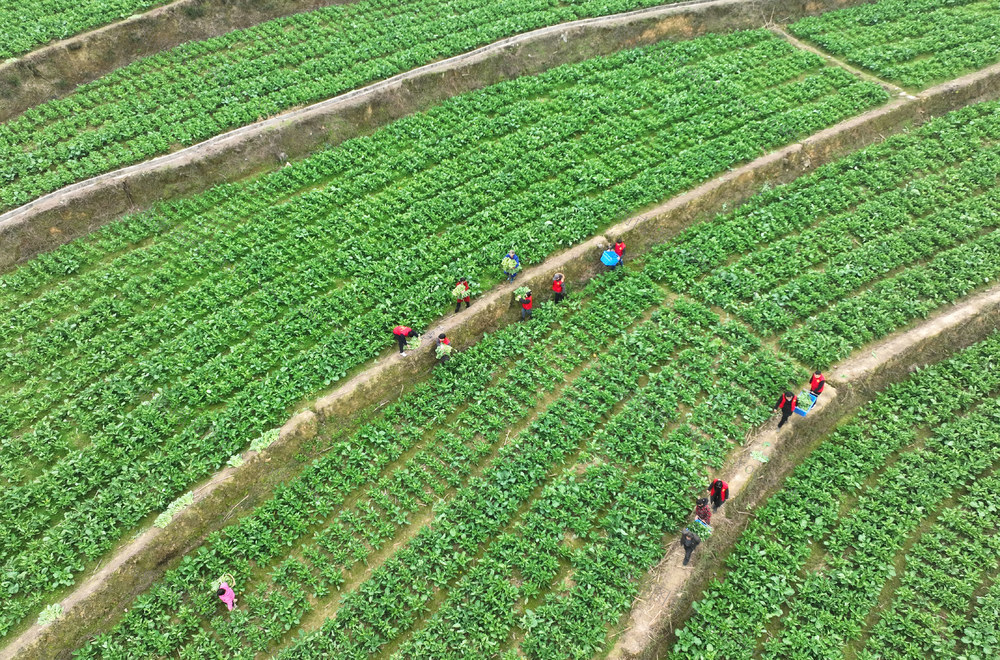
(805, 395)
(609, 258)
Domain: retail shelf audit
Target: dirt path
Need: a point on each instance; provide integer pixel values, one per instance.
(670, 588)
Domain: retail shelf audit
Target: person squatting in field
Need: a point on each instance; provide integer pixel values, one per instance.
(461, 293)
(443, 348)
(786, 404)
(557, 287)
(702, 511)
(718, 492)
(403, 333)
(226, 595)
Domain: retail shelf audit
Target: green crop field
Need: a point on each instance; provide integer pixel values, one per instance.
(201, 89)
(181, 334)
(28, 25)
(911, 476)
(522, 499)
(912, 42)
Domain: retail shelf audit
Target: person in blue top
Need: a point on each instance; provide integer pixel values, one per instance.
(511, 264)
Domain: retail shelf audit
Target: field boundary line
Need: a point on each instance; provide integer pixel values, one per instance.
(860, 73)
(55, 69)
(669, 590)
(79, 208)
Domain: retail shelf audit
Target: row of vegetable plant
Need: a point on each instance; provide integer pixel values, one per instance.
(823, 608)
(943, 572)
(158, 381)
(859, 248)
(617, 452)
(912, 42)
(28, 25)
(200, 90)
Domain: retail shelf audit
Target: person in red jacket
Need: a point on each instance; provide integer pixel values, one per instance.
(557, 287)
(786, 404)
(718, 492)
(402, 333)
(817, 384)
(526, 305)
(463, 282)
(620, 250)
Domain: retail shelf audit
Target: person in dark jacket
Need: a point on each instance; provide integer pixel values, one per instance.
(557, 287)
(786, 404)
(690, 541)
(462, 283)
(718, 492)
(817, 384)
(403, 333)
(702, 511)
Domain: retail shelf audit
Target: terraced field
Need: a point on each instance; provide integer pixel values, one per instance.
(881, 542)
(170, 339)
(511, 501)
(915, 43)
(201, 89)
(28, 25)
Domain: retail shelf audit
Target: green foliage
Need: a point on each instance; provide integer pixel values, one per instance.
(173, 508)
(912, 42)
(824, 608)
(861, 247)
(28, 25)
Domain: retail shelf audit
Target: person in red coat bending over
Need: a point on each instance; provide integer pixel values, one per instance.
(402, 333)
(557, 287)
(817, 384)
(526, 306)
(786, 404)
(718, 492)
(620, 250)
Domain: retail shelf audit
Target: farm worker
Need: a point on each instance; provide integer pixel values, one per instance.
(702, 511)
(526, 305)
(690, 541)
(620, 250)
(511, 264)
(610, 258)
(226, 595)
(461, 293)
(557, 287)
(786, 404)
(817, 384)
(718, 492)
(402, 334)
(443, 349)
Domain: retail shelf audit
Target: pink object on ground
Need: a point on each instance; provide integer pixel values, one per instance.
(229, 597)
